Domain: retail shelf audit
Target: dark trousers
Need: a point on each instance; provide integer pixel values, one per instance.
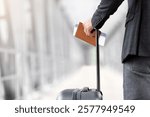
(136, 78)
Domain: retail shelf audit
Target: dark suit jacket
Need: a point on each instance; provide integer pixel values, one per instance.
(137, 33)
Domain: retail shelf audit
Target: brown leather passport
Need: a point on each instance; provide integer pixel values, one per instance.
(79, 33)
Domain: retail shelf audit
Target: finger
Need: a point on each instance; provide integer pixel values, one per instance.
(93, 30)
(88, 31)
(92, 34)
(85, 29)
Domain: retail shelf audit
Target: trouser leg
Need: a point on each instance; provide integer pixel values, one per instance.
(136, 78)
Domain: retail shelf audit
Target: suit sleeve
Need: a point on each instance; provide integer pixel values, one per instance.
(104, 10)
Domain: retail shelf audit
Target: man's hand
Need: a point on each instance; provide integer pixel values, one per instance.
(88, 28)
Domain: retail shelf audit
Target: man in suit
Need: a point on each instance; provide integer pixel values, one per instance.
(136, 45)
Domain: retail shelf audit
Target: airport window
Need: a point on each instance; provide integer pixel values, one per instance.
(6, 38)
(7, 54)
(3, 32)
(7, 63)
(29, 14)
(35, 47)
(2, 10)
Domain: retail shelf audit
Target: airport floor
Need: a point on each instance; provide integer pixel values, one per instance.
(111, 83)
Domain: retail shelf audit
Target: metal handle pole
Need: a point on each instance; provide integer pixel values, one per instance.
(97, 60)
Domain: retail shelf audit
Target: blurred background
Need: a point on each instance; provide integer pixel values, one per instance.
(39, 56)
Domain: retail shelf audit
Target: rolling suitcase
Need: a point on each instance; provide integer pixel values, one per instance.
(86, 93)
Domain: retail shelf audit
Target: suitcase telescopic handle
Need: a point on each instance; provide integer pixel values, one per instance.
(97, 59)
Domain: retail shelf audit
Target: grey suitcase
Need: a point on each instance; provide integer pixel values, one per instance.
(85, 93)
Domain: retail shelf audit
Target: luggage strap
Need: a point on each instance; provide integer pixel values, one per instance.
(76, 94)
